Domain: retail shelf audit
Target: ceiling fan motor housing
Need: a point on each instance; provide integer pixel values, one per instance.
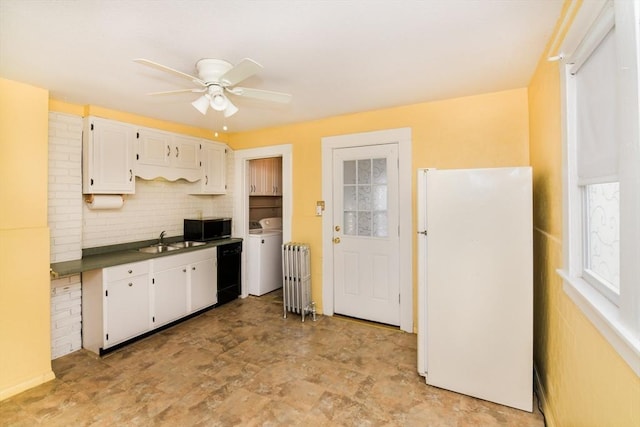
(210, 70)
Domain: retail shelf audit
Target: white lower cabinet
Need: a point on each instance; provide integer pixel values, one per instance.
(115, 305)
(124, 301)
(204, 285)
(169, 290)
(127, 309)
(182, 284)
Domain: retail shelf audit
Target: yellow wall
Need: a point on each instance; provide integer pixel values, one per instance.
(25, 356)
(584, 380)
(487, 130)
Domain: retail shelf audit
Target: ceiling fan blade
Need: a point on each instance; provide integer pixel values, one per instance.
(169, 92)
(264, 95)
(242, 70)
(169, 70)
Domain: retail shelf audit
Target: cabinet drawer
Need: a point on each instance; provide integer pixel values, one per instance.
(124, 271)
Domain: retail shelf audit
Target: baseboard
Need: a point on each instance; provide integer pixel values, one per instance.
(26, 385)
(542, 397)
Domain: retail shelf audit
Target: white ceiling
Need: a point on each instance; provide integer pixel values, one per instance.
(334, 57)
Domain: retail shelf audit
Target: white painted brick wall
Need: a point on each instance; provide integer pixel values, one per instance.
(66, 315)
(65, 186)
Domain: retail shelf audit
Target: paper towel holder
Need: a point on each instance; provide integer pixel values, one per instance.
(104, 201)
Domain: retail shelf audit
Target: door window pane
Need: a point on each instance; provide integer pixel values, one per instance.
(349, 168)
(380, 224)
(380, 198)
(350, 221)
(364, 223)
(350, 200)
(379, 171)
(364, 171)
(364, 197)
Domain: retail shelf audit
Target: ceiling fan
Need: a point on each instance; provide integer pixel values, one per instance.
(217, 78)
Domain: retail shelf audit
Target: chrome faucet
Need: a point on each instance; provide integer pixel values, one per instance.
(160, 240)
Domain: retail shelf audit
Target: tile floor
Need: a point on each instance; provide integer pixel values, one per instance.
(243, 364)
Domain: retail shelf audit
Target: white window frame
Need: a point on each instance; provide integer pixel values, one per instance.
(617, 319)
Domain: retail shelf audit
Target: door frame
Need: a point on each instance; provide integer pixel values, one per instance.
(401, 136)
(241, 195)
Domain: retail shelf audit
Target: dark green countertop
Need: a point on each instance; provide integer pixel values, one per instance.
(108, 256)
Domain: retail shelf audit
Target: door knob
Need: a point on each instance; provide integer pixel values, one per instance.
(337, 228)
(336, 240)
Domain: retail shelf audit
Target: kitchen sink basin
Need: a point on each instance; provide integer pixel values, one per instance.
(156, 249)
(187, 244)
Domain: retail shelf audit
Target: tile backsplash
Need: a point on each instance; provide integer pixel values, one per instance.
(157, 205)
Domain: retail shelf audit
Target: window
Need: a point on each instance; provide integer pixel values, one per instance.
(365, 197)
(601, 211)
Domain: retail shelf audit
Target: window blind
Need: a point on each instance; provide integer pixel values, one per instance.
(596, 109)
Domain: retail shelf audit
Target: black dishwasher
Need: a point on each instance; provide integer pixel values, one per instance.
(229, 272)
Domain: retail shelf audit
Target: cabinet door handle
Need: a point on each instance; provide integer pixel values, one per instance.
(168, 150)
(130, 175)
(130, 271)
(130, 284)
(177, 152)
(193, 268)
(184, 270)
(206, 180)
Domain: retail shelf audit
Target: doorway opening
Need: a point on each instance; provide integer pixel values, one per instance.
(279, 204)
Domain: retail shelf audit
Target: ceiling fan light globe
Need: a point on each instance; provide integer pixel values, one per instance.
(219, 102)
(201, 104)
(230, 110)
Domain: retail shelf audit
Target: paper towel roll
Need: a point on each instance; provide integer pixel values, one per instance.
(105, 201)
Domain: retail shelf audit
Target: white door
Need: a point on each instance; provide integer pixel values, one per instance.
(476, 304)
(186, 152)
(366, 241)
(204, 284)
(127, 311)
(170, 295)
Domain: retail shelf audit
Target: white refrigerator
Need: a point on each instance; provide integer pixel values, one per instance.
(475, 283)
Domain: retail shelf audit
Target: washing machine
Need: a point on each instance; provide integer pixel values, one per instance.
(264, 257)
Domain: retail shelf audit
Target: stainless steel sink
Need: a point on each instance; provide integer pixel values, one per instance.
(187, 244)
(156, 249)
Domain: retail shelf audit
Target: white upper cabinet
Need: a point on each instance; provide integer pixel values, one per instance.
(154, 148)
(186, 152)
(108, 157)
(213, 178)
(167, 155)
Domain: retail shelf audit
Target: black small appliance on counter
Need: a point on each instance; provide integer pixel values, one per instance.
(206, 229)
